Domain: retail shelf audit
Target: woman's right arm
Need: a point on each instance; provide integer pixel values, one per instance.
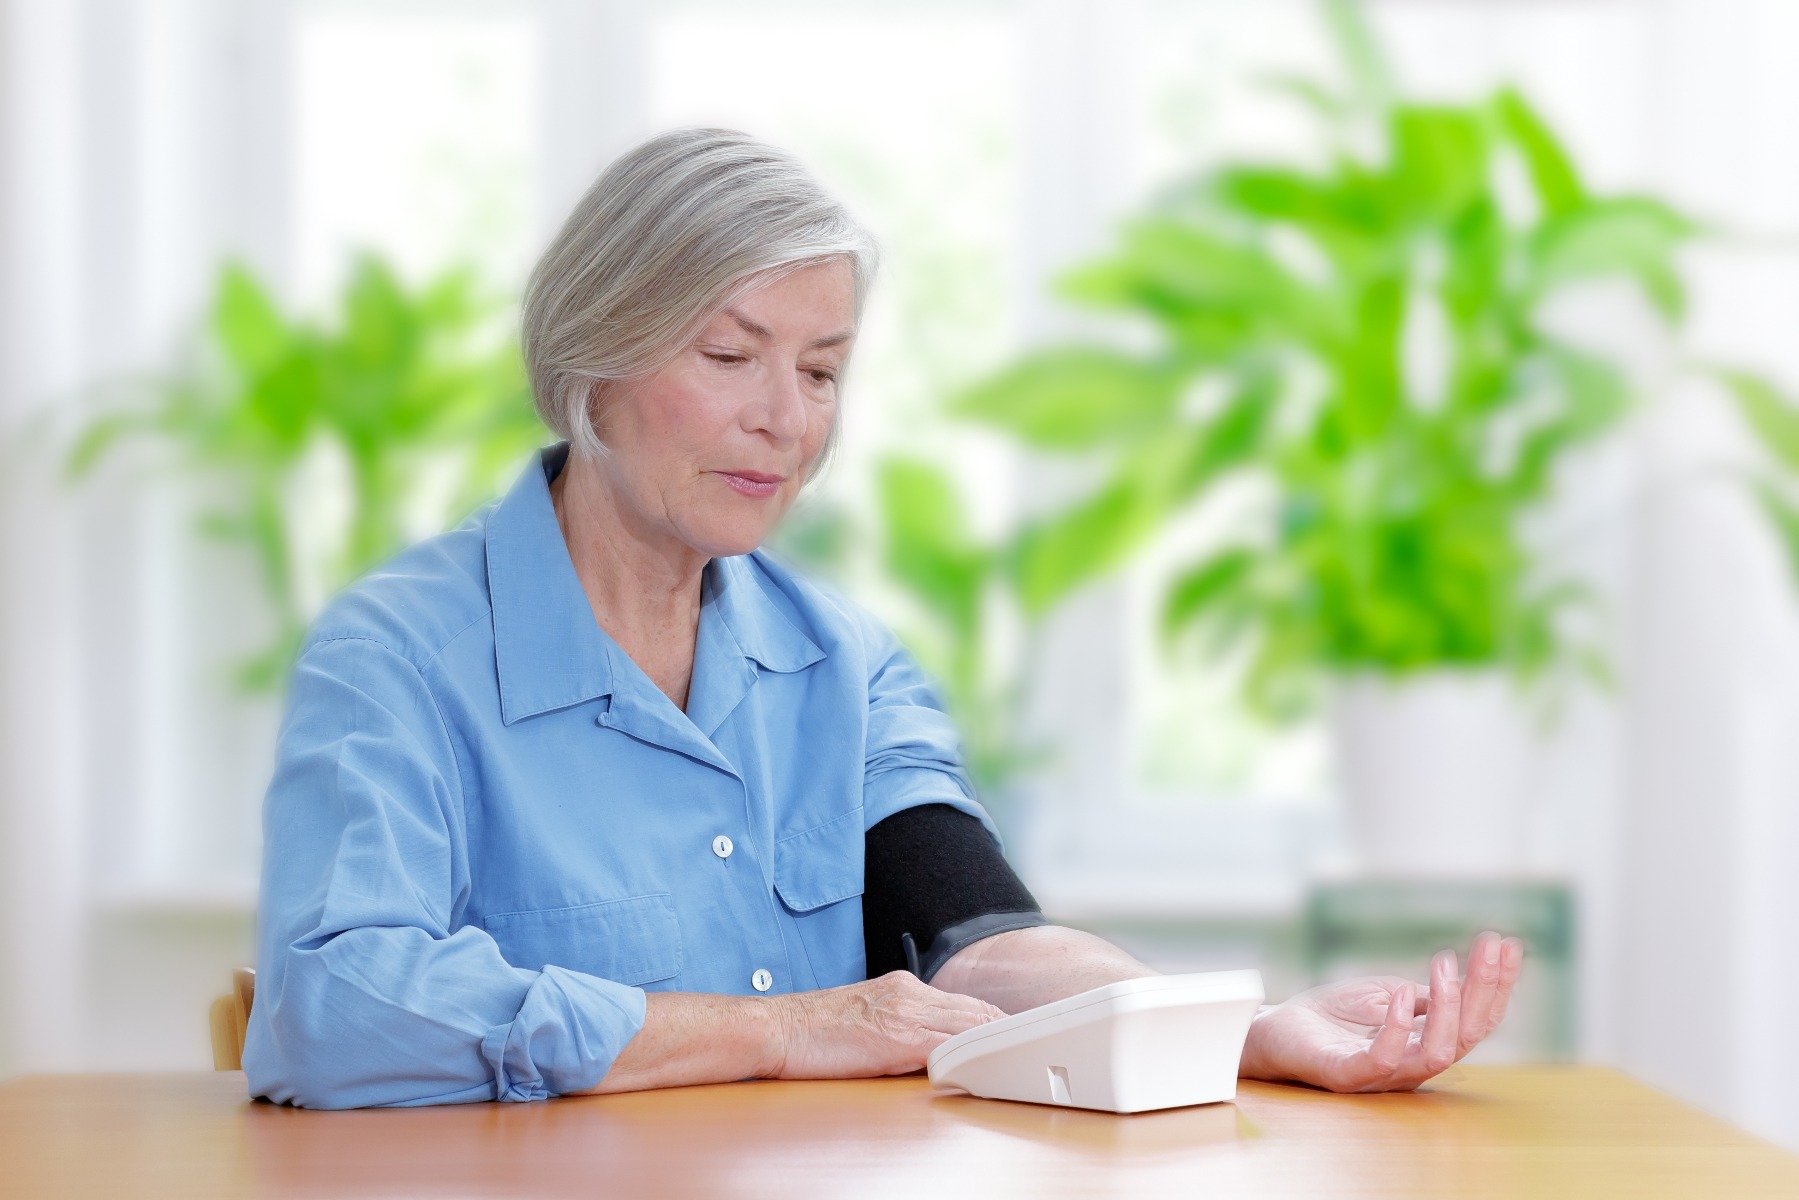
(367, 993)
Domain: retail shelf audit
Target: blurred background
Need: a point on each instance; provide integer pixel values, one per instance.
(1338, 459)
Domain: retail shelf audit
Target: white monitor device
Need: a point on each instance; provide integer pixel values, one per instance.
(1161, 1042)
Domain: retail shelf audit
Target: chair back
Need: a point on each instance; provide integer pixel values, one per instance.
(230, 1017)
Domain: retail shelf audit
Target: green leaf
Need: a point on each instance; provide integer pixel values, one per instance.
(1235, 436)
(1309, 92)
(1275, 194)
(1595, 392)
(1663, 285)
(1633, 236)
(378, 322)
(1215, 295)
(281, 405)
(1197, 590)
(1051, 557)
(1370, 391)
(1552, 172)
(1347, 216)
(1784, 515)
(1360, 53)
(1594, 396)
(1327, 208)
(1475, 289)
(98, 438)
(246, 322)
(1773, 420)
(1440, 159)
(928, 548)
(1075, 397)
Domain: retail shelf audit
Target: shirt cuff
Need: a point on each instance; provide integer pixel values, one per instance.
(566, 1035)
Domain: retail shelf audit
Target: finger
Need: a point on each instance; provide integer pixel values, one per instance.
(954, 1013)
(951, 1021)
(1511, 962)
(1387, 1049)
(1480, 990)
(1442, 1026)
(962, 1000)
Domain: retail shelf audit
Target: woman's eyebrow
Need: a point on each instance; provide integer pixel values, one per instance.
(759, 330)
(753, 328)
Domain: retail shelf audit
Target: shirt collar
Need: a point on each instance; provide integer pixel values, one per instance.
(550, 653)
(739, 593)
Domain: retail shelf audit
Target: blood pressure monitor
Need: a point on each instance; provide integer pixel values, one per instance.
(1160, 1042)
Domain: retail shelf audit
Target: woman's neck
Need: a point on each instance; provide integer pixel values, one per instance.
(643, 584)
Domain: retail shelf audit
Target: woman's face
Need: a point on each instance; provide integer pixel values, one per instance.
(712, 448)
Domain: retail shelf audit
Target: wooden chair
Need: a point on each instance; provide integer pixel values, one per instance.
(230, 1016)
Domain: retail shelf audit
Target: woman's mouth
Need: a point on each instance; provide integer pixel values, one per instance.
(752, 483)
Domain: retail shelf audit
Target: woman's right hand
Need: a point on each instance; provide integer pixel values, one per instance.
(884, 1026)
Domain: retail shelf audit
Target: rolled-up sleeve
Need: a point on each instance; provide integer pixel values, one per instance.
(368, 992)
(914, 753)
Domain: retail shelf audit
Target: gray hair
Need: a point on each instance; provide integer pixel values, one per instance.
(670, 233)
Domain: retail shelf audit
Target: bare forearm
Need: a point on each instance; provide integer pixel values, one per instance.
(1024, 968)
(693, 1037)
(884, 1026)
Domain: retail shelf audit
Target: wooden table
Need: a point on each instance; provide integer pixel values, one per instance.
(1479, 1131)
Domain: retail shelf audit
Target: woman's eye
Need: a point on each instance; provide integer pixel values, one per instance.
(723, 356)
(821, 376)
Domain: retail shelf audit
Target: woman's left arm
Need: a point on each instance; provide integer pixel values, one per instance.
(1384, 1034)
(1361, 1035)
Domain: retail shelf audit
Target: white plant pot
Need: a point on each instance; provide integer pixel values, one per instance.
(1437, 772)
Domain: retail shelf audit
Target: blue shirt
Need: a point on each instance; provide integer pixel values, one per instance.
(489, 833)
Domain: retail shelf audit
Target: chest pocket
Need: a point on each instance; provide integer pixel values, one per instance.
(818, 876)
(822, 865)
(635, 941)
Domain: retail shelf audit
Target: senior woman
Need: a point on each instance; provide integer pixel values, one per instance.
(590, 794)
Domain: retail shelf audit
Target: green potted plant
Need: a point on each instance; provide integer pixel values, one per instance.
(1361, 351)
(414, 401)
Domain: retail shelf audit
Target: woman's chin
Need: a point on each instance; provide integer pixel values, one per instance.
(724, 533)
(730, 540)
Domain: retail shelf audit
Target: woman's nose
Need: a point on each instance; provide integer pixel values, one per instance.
(783, 411)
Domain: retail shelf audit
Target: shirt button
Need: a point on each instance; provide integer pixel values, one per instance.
(721, 846)
(762, 980)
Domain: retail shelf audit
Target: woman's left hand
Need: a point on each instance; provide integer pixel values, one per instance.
(1385, 1034)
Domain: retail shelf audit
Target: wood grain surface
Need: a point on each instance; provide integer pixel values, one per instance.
(1478, 1131)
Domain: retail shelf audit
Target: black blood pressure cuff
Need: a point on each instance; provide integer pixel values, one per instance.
(935, 882)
